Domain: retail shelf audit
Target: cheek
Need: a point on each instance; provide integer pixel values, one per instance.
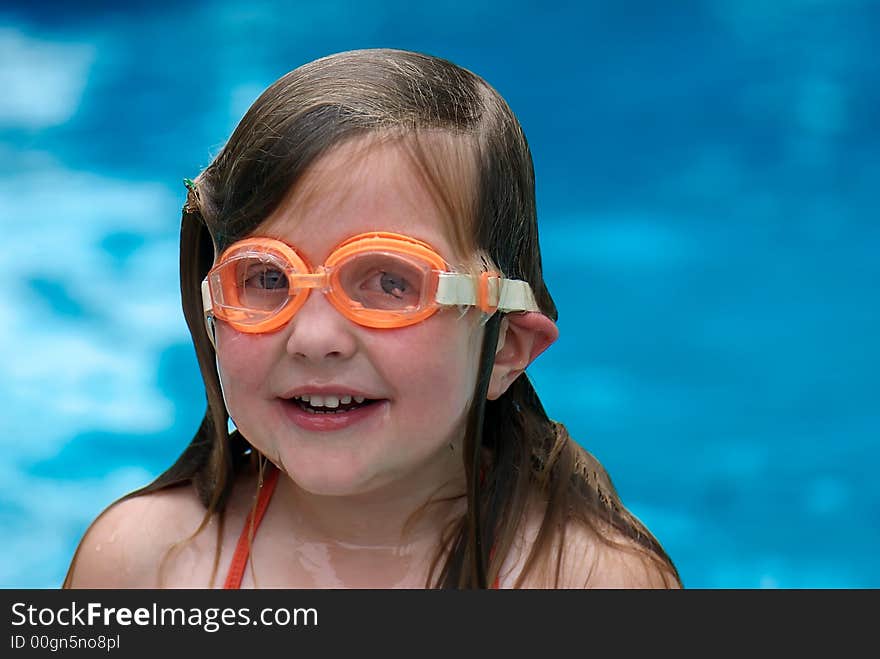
(437, 361)
(243, 362)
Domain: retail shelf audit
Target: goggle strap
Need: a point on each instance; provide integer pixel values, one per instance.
(458, 289)
(455, 289)
(516, 295)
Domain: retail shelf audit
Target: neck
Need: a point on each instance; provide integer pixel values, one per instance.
(387, 537)
(399, 516)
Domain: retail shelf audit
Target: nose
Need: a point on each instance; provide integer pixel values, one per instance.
(318, 332)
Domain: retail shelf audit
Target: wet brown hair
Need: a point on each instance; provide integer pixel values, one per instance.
(350, 95)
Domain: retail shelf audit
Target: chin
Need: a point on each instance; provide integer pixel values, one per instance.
(329, 481)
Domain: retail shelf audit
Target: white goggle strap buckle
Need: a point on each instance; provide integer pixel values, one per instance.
(506, 294)
(207, 310)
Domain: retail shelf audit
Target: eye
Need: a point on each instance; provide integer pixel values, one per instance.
(377, 280)
(265, 278)
(393, 284)
(381, 288)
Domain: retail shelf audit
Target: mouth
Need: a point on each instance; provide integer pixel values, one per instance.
(328, 413)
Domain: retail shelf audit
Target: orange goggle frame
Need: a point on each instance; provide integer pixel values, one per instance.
(377, 279)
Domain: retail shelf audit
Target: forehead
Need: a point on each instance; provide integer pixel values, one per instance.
(422, 187)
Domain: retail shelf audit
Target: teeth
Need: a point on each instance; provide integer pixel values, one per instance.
(329, 401)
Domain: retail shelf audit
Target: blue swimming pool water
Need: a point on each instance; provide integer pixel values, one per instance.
(707, 180)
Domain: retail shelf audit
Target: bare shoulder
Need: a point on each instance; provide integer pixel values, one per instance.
(614, 561)
(127, 542)
(587, 559)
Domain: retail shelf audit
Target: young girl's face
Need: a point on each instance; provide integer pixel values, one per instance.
(421, 376)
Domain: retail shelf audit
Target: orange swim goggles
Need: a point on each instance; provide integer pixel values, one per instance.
(379, 280)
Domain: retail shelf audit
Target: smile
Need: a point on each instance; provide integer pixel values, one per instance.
(327, 412)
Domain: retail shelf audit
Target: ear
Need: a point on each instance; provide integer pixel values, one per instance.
(522, 337)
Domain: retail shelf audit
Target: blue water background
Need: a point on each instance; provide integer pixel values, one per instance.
(707, 179)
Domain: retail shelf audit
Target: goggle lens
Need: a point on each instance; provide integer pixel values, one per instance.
(251, 286)
(382, 281)
(260, 284)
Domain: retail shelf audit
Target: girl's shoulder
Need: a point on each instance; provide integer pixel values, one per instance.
(150, 541)
(589, 558)
(124, 545)
(611, 560)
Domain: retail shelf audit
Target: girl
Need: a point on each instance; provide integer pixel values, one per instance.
(361, 276)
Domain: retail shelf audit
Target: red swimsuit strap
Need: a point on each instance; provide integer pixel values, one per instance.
(243, 548)
(255, 516)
